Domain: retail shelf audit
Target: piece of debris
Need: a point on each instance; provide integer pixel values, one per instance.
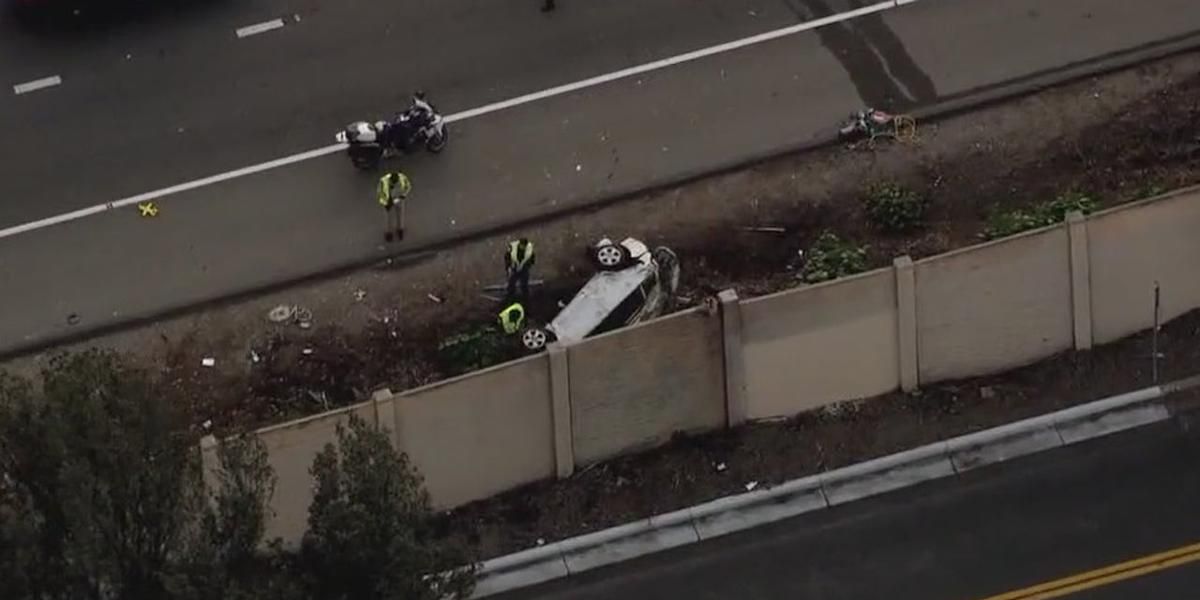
(307, 351)
(72, 319)
(541, 541)
(434, 298)
(209, 362)
(360, 295)
(750, 486)
(498, 287)
(720, 467)
(281, 313)
(254, 357)
(986, 392)
(207, 424)
(765, 229)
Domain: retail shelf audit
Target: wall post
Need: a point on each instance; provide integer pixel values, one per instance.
(906, 322)
(385, 414)
(560, 397)
(1081, 280)
(736, 405)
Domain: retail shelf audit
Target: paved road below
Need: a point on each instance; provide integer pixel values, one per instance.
(1003, 528)
(500, 168)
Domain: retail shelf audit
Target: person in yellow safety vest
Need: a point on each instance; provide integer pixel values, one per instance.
(392, 195)
(518, 261)
(512, 318)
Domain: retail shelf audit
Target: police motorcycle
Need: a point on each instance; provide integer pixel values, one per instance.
(368, 143)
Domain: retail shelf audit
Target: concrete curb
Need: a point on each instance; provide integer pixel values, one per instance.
(854, 482)
(944, 108)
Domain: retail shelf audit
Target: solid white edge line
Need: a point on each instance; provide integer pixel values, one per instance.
(464, 115)
(37, 84)
(258, 28)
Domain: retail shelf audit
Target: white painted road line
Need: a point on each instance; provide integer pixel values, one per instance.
(259, 28)
(464, 115)
(31, 86)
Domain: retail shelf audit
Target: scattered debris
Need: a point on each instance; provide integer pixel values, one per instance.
(434, 298)
(541, 541)
(72, 319)
(209, 362)
(766, 229)
(254, 357)
(986, 392)
(359, 295)
(281, 313)
(750, 486)
(499, 287)
(307, 351)
(207, 424)
(721, 467)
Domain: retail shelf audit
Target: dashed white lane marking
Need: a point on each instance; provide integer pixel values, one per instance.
(467, 114)
(37, 84)
(258, 28)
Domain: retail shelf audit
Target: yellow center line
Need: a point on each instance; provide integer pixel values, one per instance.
(1106, 575)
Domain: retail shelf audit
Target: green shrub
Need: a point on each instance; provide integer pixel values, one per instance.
(1011, 222)
(472, 350)
(831, 257)
(894, 208)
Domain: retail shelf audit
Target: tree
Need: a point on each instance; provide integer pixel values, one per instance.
(370, 534)
(102, 494)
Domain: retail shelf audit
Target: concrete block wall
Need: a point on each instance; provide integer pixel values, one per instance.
(834, 340)
(969, 312)
(634, 387)
(1132, 247)
(994, 307)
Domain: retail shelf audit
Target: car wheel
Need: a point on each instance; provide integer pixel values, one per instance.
(610, 257)
(535, 339)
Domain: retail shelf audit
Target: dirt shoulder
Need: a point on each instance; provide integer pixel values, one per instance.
(1117, 138)
(695, 469)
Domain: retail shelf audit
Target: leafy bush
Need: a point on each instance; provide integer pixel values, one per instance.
(371, 533)
(472, 350)
(831, 257)
(1011, 222)
(894, 208)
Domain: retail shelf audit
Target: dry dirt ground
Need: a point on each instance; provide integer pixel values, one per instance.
(695, 469)
(1117, 138)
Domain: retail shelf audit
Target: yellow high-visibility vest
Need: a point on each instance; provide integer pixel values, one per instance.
(393, 182)
(512, 318)
(517, 259)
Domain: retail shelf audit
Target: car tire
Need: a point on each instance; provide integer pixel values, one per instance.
(610, 257)
(535, 339)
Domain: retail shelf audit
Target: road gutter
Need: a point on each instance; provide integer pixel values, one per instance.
(730, 514)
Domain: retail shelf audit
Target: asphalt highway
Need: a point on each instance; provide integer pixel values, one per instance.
(1070, 516)
(153, 104)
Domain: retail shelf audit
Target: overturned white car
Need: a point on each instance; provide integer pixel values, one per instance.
(633, 284)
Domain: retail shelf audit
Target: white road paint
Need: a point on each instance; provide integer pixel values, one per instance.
(37, 84)
(258, 28)
(464, 115)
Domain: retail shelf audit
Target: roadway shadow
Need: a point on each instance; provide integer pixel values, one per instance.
(88, 18)
(880, 67)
